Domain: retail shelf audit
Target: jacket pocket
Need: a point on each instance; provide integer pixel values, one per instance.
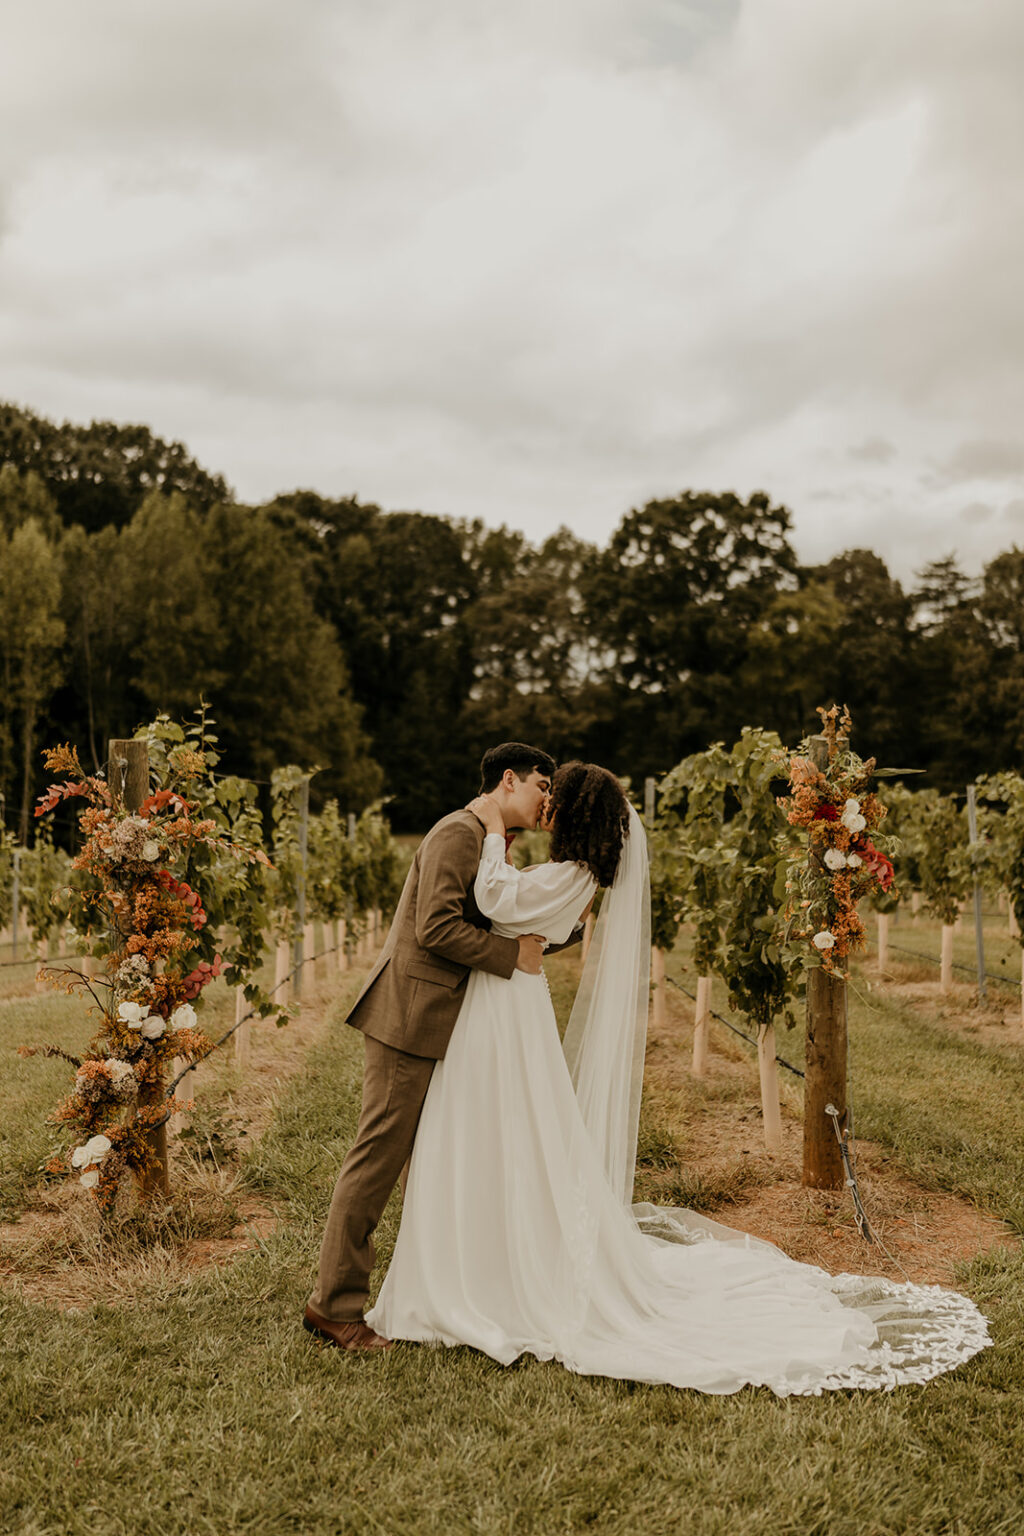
(421, 970)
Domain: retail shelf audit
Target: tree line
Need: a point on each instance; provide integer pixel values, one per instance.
(390, 648)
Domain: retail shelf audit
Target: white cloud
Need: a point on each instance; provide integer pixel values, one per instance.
(532, 264)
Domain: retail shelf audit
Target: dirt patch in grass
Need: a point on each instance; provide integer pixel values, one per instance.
(996, 1022)
(58, 1252)
(702, 1146)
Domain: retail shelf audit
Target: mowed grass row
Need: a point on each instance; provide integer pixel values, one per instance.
(204, 1408)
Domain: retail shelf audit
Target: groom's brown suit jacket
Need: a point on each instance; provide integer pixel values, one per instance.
(412, 996)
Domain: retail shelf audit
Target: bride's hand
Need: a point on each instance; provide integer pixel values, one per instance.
(485, 810)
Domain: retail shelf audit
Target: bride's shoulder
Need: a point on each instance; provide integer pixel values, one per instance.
(556, 875)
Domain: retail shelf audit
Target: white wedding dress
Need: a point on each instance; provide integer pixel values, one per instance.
(515, 1240)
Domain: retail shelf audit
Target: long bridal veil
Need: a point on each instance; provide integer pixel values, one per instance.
(606, 1037)
(606, 1034)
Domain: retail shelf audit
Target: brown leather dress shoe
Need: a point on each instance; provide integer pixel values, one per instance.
(353, 1335)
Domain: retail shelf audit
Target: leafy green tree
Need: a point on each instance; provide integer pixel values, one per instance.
(31, 636)
(22, 496)
(532, 652)
(98, 700)
(101, 474)
(961, 663)
(227, 618)
(672, 600)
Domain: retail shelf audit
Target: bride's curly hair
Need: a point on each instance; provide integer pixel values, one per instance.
(589, 815)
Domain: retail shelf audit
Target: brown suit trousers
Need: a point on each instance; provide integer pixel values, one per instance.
(406, 1011)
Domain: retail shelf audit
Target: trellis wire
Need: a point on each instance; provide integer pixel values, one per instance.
(736, 1031)
(958, 965)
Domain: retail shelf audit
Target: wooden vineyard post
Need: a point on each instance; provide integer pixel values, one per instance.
(341, 929)
(243, 1036)
(184, 1092)
(979, 935)
(915, 907)
(299, 916)
(825, 1066)
(128, 777)
(658, 988)
(701, 1024)
(15, 900)
(350, 910)
(309, 949)
(282, 965)
(883, 941)
(42, 959)
(769, 1074)
(588, 934)
(946, 973)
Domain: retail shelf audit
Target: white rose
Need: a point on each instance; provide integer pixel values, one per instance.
(824, 939)
(183, 1017)
(851, 818)
(94, 1150)
(153, 1027)
(150, 850)
(90, 1178)
(133, 1014)
(854, 860)
(835, 858)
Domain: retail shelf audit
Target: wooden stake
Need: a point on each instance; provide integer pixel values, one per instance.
(946, 975)
(701, 1023)
(341, 930)
(769, 1087)
(128, 777)
(658, 988)
(588, 934)
(282, 965)
(883, 941)
(184, 1091)
(825, 1082)
(242, 1033)
(42, 957)
(825, 1064)
(915, 906)
(309, 950)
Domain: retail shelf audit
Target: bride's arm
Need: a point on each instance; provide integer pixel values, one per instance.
(547, 899)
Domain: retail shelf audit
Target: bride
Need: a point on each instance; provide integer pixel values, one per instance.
(518, 1235)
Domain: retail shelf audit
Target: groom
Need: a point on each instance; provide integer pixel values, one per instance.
(407, 1011)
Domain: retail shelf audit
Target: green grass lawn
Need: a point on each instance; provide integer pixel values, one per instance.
(202, 1407)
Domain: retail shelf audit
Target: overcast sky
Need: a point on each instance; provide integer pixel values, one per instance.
(535, 263)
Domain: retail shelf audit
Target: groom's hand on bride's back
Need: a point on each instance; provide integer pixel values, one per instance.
(531, 953)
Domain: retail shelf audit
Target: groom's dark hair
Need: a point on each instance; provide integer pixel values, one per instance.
(523, 761)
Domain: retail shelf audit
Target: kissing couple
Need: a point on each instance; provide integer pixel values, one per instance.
(518, 1233)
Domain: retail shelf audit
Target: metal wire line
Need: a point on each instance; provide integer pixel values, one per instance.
(958, 965)
(736, 1031)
